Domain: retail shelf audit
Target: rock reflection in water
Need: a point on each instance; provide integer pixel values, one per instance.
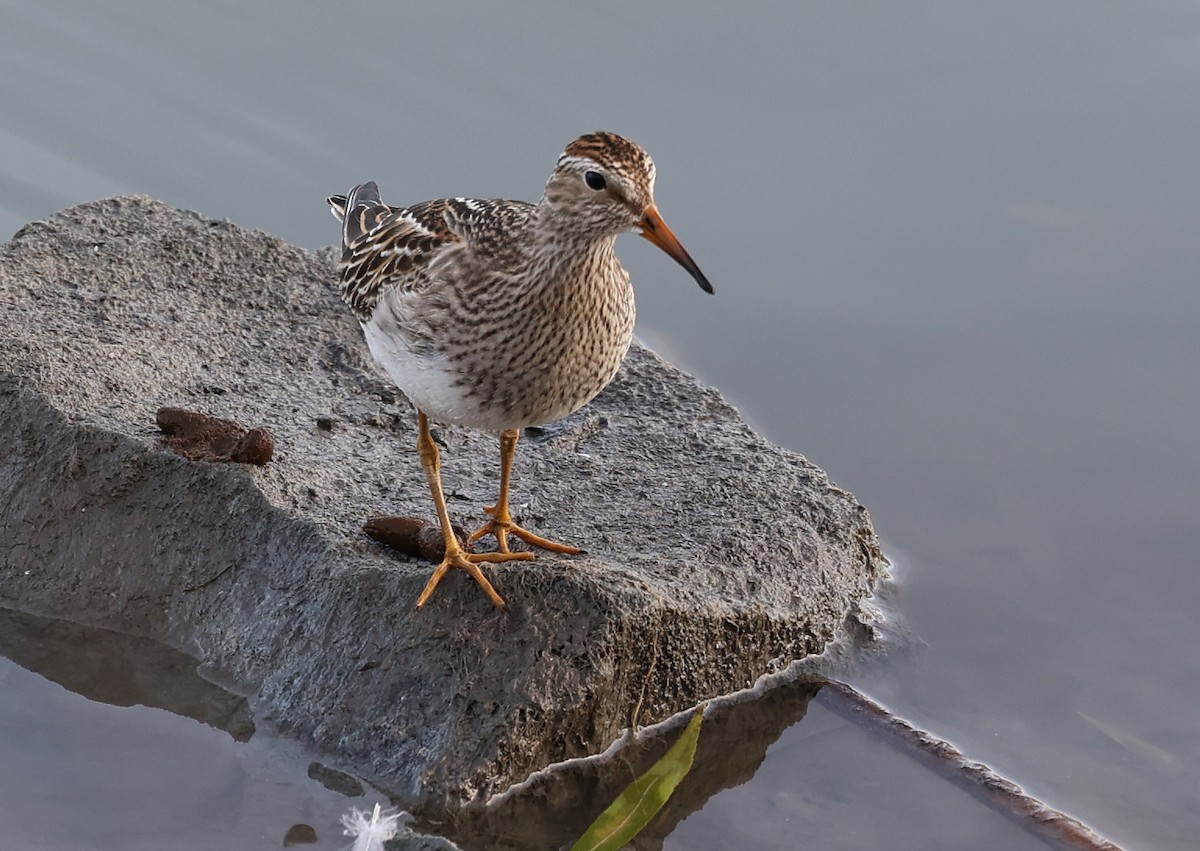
(553, 808)
(121, 670)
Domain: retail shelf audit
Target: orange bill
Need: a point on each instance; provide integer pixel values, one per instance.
(653, 228)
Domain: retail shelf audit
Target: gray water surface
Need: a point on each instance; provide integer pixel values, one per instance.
(955, 254)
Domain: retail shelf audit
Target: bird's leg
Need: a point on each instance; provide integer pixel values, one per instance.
(455, 555)
(501, 523)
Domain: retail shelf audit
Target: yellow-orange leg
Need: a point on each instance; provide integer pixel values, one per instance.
(501, 523)
(455, 555)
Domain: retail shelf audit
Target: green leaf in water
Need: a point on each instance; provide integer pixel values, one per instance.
(644, 797)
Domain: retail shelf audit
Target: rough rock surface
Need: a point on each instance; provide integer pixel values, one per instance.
(715, 557)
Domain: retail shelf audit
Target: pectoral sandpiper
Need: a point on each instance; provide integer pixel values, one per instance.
(502, 314)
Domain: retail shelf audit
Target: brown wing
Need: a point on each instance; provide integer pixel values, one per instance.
(385, 247)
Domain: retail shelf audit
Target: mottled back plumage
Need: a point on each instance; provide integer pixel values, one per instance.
(385, 246)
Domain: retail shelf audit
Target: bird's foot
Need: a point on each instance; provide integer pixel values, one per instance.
(501, 525)
(470, 562)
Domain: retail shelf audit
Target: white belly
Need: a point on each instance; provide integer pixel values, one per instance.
(426, 379)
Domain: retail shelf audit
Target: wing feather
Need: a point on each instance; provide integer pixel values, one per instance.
(386, 248)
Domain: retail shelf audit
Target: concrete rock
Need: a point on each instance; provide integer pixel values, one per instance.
(715, 557)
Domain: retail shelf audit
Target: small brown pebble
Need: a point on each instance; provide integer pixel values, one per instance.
(299, 834)
(336, 781)
(414, 536)
(199, 437)
(256, 447)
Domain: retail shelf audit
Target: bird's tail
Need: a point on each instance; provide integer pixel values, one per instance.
(337, 206)
(359, 211)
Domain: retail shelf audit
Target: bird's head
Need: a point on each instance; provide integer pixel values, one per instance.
(603, 186)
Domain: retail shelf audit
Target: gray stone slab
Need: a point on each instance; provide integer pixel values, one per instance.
(714, 556)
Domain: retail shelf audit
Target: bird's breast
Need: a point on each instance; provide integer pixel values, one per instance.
(490, 360)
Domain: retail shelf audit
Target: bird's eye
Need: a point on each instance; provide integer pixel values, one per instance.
(595, 180)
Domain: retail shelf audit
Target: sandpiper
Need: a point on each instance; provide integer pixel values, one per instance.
(502, 314)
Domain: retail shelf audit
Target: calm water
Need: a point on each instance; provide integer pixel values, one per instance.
(955, 254)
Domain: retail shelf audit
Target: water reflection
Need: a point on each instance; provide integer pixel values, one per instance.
(121, 670)
(554, 808)
(113, 742)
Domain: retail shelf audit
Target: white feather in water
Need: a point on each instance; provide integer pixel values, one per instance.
(370, 832)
